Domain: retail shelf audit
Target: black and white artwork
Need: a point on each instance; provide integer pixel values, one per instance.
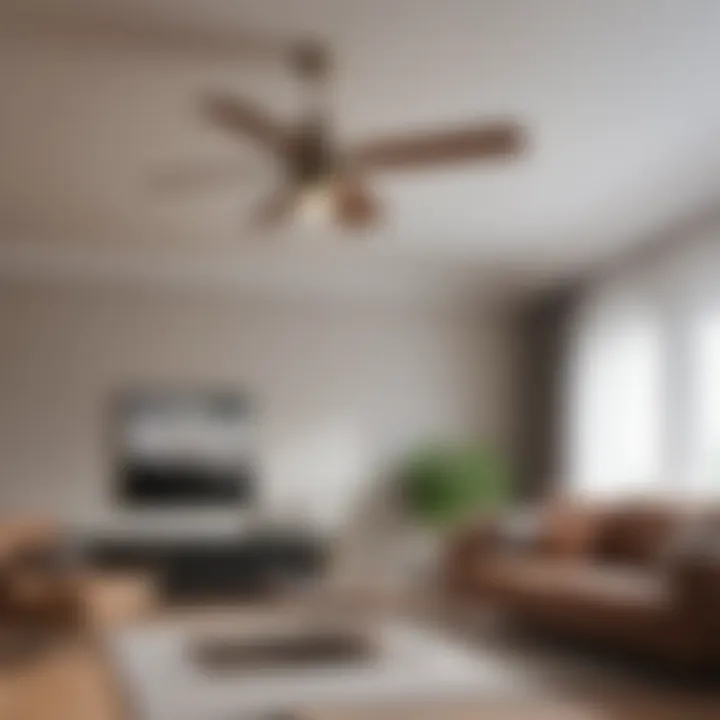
(183, 447)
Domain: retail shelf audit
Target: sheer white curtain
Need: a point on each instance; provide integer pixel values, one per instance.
(616, 398)
(704, 400)
(643, 393)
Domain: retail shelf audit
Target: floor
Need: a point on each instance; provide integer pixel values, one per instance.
(69, 680)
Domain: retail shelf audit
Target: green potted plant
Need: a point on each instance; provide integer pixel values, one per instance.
(445, 484)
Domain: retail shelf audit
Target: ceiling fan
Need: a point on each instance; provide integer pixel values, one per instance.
(324, 180)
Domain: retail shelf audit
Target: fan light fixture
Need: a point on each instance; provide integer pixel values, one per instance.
(315, 204)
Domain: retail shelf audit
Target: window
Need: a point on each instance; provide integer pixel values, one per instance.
(704, 416)
(644, 387)
(616, 401)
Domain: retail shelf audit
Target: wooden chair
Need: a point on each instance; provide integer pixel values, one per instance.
(38, 586)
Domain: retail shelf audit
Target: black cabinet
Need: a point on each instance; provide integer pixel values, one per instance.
(217, 569)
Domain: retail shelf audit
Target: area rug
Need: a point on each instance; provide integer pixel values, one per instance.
(161, 678)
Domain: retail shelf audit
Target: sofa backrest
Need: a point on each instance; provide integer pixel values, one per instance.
(627, 534)
(567, 530)
(635, 534)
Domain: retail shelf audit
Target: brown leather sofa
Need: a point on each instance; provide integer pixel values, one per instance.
(625, 577)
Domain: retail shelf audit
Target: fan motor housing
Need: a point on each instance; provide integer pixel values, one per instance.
(313, 158)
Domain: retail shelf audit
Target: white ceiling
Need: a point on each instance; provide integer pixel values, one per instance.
(620, 97)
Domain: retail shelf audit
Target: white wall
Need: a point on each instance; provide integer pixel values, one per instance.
(339, 386)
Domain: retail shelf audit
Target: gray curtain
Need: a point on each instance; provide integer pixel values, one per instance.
(542, 330)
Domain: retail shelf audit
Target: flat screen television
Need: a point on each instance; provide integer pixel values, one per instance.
(183, 448)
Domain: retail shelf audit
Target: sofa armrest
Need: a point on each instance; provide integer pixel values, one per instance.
(695, 582)
(36, 582)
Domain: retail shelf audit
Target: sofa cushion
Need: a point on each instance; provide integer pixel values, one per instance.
(568, 530)
(636, 535)
(624, 608)
(561, 586)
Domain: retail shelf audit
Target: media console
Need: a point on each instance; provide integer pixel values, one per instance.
(215, 569)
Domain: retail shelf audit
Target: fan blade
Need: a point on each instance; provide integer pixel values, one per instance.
(193, 176)
(492, 140)
(240, 117)
(355, 206)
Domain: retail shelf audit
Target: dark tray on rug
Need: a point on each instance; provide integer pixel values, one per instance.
(305, 649)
